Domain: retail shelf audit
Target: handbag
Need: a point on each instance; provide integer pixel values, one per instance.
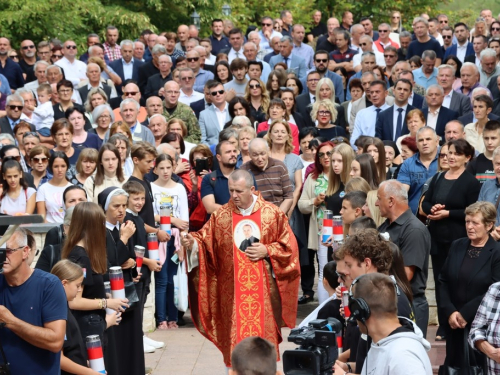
(466, 367)
(181, 288)
(131, 295)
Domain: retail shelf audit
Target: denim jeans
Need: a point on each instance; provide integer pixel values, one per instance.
(164, 288)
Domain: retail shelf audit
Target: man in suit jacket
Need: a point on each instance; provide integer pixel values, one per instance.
(435, 114)
(466, 48)
(94, 76)
(210, 125)
(127, 67)
(391, 123)
(479, 43)
(249, 238)
(13, 116)
(199, 106)
(293, 62)
(303, 101)
(495, 92)
(150, 68)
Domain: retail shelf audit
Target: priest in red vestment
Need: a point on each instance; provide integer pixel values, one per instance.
(237, 293)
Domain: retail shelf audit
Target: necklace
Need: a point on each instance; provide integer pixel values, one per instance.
(473, 252)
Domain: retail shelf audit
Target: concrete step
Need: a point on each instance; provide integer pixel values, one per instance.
(437, 354)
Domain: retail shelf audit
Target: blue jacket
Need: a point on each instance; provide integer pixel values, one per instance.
(209, 126)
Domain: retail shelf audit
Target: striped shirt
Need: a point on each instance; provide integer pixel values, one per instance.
(486, 324)
(273, 182)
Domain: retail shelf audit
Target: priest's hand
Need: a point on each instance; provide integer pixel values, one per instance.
(187, 241)
(256, 252)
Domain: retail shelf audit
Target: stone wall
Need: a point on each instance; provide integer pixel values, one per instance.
(148, 323)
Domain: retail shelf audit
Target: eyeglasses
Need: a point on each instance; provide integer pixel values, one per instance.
(31, 134)
(70, 47)
(40, 160)
(214, 93)
(256, 86)
(57, 56)
(324, 113)
(337, 140)
(130, 93)
(323, 154)
(29, 47)
(186, 78)
(104, 117)
(14, 107)
(448, 36)
(191, 59)
(390, 56)
(277, 27)
(321, 60)
(10, 251)
(266, 24)
(442, 156)
(383, 31)
(14, 56)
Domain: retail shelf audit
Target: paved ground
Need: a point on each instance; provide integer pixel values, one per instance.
(186, 351)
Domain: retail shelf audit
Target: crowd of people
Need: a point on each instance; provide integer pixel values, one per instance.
(249, 141)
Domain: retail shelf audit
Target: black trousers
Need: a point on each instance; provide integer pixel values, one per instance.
(421, 309)
(307, 274)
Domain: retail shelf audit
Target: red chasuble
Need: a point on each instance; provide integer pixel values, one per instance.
(231, 297)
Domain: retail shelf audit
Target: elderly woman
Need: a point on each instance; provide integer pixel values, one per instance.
(325, 113)
(103, 116)
(62, 134)
(85, 166)
(391, 157)
(176, 125)
(277, 112)
(473, 264)
(127, 336)
(123, 145)
(81, 138)
(95, 98)
(39, 161)
(245, 136)
(256, 94)
(326, 91)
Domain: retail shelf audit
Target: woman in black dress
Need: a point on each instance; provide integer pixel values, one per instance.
(127, 337)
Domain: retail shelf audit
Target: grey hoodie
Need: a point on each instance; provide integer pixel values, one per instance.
(399, 354)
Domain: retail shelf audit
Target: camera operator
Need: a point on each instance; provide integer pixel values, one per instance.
(398, 346)
(33, 312)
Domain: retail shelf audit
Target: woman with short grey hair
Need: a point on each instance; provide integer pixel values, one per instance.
(103, 117)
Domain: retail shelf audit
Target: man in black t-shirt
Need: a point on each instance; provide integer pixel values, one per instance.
(423, 41)
(482, 165)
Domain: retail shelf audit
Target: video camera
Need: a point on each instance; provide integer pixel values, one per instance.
(318, 348)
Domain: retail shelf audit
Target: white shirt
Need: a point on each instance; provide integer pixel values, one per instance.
(74, 72)
(410, 99)
(211, 59)
(232, 55)
(128, 69)
(461, 51)
(379, 59)
(188, 99)
(365, 123)
(395, 119)
(432, 118)
(221, 115)
(312, 97)
(447, 99)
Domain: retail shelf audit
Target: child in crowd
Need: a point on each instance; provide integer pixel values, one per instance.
(43, 115)
(136, 201)
(74, 353)
(254, 355)
(352, 208)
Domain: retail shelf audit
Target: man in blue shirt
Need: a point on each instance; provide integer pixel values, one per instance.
(219, 41)
(11, 70)
(33, 312)
(421, 166)
(215, 189)
(426, 75)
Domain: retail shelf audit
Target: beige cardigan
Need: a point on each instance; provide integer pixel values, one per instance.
(94, 190)
(306, 206)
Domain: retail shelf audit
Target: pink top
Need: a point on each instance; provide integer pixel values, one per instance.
(264, 126)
